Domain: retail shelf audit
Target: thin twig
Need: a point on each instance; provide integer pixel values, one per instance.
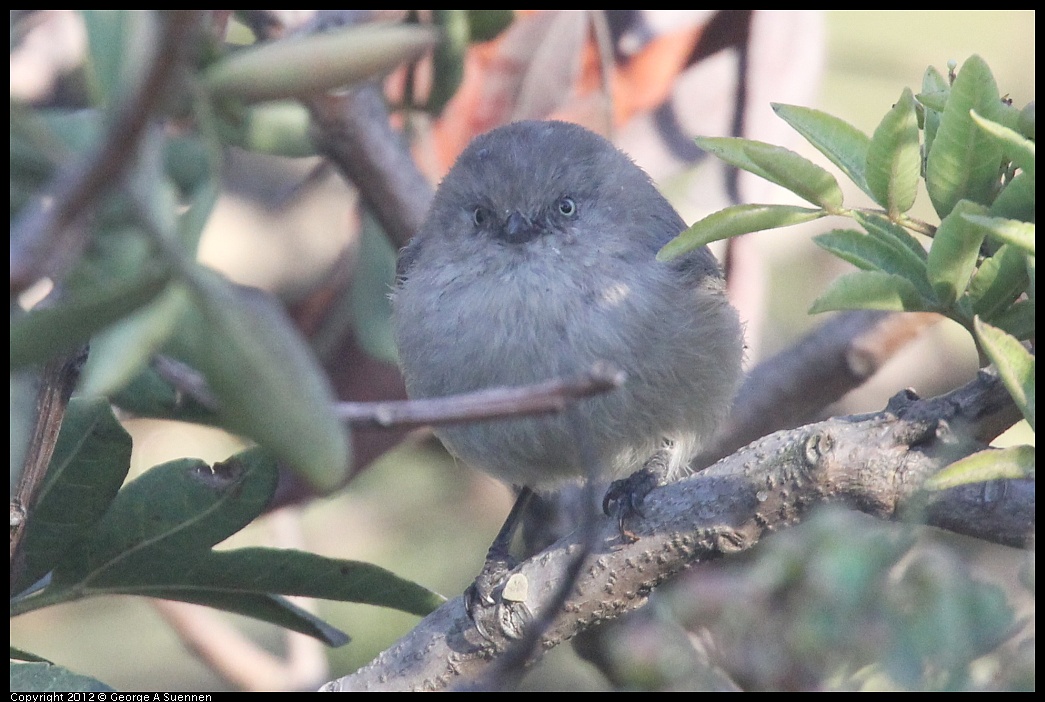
(57, 380)
(542, 398)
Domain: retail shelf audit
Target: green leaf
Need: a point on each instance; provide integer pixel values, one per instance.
(300, 66)
(1017, 319)
(892, 234)
(1009, 231)
(1011, 463)
(734, 221)
(1015, 365)
(47, 677)
(954, 252)
(997, 282)
(871, 253)
(122, 351)
(778, 165)
(1016, 147)
(263, 607)
(964, 163)
(262, 571)
(1016, 200)
(281, 128)
(149, 395)
(485, 25)
(449, 57)
(107, 35)
(267, 382)
(893, 158)
(45, 332)
(872, 290)
(90, 461)
(842, 143)
(172, 513)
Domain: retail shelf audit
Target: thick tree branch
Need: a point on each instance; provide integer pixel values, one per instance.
(874, 463)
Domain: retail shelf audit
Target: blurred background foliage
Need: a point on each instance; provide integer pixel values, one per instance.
(841, 601)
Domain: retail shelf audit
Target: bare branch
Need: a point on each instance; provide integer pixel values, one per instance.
(542, 398)
(874, 463)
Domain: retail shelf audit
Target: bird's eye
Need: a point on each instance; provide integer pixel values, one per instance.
(567, 207)
(479, 216)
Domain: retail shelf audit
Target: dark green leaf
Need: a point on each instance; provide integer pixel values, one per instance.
(871, 290)
(301, 66)
(993, 464)
(90, 461)
(47, 677)
(734, 221)
(484, 25)
(954, 252)
(842, 143)
(893, 158)
(448, 57)
(778, 165)
(262, 571)
(149, 395)
(964, 163)
(1015, 365)
(264, 607)
(171, 514)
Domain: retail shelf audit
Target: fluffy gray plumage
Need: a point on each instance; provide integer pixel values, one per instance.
(536, 260)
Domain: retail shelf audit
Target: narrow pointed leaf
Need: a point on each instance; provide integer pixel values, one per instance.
(304, 65)
(1017, 320)
(893, 158)
(1017, 199)
(264, 607)
(1009, 231)
(997, 282)
(842, 143)
(1015, 365)
(871, 290)
(1016, 147)
(734, 221)
(90, 461)
(1011, 463)
(954, 252)
(778, 165)
(964, 162)
(872, 254)
(893, 234)
(263, 571)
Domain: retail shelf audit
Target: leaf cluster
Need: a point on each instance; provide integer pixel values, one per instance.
(973, 152)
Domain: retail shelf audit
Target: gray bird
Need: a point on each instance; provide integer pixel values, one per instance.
(537, 260)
